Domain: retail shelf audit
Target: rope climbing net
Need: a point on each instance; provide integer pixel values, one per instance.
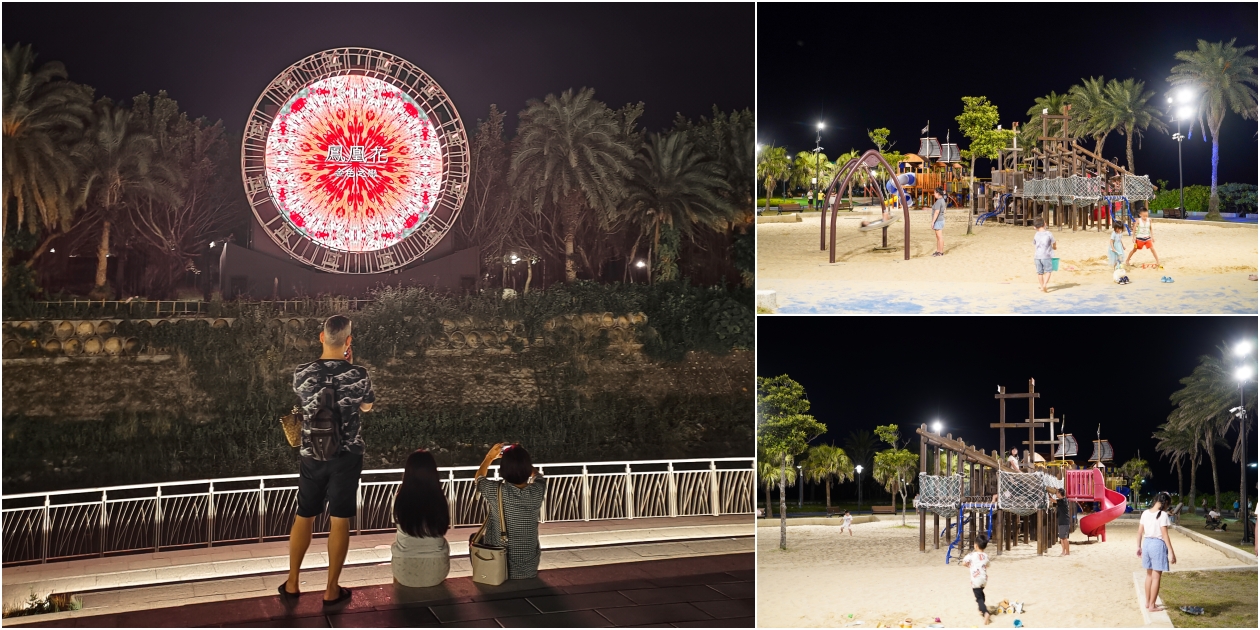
(1022, 493)
(939, 494)
(1138, 187)
(1086, 188)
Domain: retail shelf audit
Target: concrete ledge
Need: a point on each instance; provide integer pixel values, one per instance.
(833, 521)
(766, 299)
(1230, 224)
(1150, 619)
(780, 218)
(1212, 542)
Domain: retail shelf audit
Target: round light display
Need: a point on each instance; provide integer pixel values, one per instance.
(355, 161)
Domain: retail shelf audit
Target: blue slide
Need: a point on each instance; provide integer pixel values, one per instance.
(1001, 207)
(905, 179)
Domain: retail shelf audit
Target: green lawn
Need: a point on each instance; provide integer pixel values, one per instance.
(1228, 598)
(1231, 536)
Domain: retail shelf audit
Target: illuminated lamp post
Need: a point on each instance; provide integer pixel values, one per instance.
(858, 468)
(1185, 112)
(813, 189)
(1243, 374)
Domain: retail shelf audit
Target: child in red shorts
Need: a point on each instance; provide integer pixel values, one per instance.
(1142, 237)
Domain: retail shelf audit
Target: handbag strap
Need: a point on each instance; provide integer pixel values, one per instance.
(503, 532)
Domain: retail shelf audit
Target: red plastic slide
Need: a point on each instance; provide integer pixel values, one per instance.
(1113, 505)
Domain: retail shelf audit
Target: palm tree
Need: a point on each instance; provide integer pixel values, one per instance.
(1176, 446)
(120, 166)
(1092, 116)
(1202, 407)
(1136, 470)
(43, 114)
(571, 152)
(839, 164)
(773, 473)
(825, 462)
(1224, 78)
(1131, 111)
(1053, 104)
(675, 190)
(772, 168)
(861, 446)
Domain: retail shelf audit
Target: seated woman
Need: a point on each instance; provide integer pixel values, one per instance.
(420, 555)
(523, 489)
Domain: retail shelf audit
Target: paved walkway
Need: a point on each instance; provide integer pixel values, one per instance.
(191, 576)
(709, 591)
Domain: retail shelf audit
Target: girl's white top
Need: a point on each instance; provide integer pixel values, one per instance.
(1152, 521)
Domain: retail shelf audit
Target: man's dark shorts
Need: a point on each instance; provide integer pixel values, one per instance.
(335, 481)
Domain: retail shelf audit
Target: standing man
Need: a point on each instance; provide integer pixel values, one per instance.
(938, 220)
(333, 392)
(1062, 518)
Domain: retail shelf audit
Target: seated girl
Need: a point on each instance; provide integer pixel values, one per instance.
(420, 555)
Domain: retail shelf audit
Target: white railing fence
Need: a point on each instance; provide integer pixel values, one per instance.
(67, 524)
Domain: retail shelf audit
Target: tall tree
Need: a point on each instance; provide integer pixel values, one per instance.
(825, 462)
(118, 158)
(728, 139)
(895, 467)
(861, 446)
(1092, 115)
(44, 113)
(1051, 103)
(1203, 406)
(1136, 470)
(1175, 446)
(1132, 113)
(771, 475)
(978, 123)
(676, 191)
(784, 430)
(571, 152)
(489, 211)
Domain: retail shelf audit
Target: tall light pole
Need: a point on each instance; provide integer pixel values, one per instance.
(1243, 374)
(1183, 96)
(813, 192)
(800, 482)
(858, 468)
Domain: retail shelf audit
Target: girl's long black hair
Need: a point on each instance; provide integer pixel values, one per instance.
(1163, 499)
(420, 507)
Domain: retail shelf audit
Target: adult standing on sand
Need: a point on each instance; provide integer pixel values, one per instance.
(1154, 547)
(938, 220)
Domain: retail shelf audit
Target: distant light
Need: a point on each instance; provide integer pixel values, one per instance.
(1170, 99)
(211, 244)
(1185, 113)
(52, 251)
(759, 147)
(640, 264)
(936, 426)
(858, 468)
(1185, 95)
(1045, 110)
(813, 180)
(1252, 465)
(1242, 348)
(999, 126)
(1243, 373)
(820, 126)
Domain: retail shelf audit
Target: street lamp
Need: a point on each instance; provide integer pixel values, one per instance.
(1243, 374)
(800, 482)
(936, 427)
(817, 155)
(1182, 113)
(858, 468)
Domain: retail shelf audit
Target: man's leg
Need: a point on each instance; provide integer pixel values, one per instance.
(338, 545)
(299, 542)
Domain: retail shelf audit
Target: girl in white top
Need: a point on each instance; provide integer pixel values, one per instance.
(1154, 547)
(420, 555)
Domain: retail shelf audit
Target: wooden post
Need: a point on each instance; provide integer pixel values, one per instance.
(936, 518)
(922, 512)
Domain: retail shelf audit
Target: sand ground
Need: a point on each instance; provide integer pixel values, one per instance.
(992, 270)
(879, 575)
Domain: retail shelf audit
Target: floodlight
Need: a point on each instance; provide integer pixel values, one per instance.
(1185, 95)
(820, 126)
(1185, 113)
(1242, 348)
(936, 426)
(1243, 373)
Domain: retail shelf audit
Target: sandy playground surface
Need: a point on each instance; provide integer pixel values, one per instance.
(992, 271)
(879, 575)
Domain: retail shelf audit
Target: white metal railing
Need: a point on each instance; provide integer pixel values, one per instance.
(65, 524)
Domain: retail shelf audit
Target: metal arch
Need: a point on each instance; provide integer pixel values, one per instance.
(866, 160)
(401, 74)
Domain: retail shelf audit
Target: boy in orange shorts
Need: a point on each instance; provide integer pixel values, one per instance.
(1142, 238)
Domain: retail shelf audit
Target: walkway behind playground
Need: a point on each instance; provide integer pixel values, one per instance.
(191, 576)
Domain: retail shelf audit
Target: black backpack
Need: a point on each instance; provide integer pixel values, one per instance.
(325, 423)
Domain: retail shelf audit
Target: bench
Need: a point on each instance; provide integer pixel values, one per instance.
(1173, 213)
(835, 511)
(790, 207)
(883, 509)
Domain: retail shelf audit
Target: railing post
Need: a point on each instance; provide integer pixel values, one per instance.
(262, 509)
(673, 491)
(210, 516)
(629, 493)
(586, 494)
(104, 524)
(157, 520)
(358, 507)
(43, 557)
(715, 496)
(450, 494)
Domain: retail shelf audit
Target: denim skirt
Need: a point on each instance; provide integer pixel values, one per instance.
(1154, 554)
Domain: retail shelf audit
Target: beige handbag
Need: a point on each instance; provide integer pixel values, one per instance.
(292, 425)
(489, 562)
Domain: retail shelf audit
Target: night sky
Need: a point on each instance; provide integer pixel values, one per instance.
(861, 372)
(216, 59)
(863, 66)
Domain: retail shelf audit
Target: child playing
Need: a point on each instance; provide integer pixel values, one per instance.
(1116, 250)
(938, 220)
(1142, 238)
(848, 523)
(978, 562)
(1043, 253)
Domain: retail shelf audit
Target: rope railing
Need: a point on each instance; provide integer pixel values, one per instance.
(67, 524)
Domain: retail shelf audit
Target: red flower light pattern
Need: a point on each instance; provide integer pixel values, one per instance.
(354, 163)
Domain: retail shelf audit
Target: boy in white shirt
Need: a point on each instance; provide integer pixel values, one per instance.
(978, 562)
(1142, 236)
(848, 523)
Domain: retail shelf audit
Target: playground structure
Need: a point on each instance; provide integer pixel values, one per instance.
(976, 492)
(945, 173)
(865, 163)
(1060, 182)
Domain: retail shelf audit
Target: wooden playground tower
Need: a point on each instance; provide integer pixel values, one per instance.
(1059, 181)
(980, 481)
(945, 172)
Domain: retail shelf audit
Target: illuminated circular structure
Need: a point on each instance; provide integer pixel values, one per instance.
(355, 161)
